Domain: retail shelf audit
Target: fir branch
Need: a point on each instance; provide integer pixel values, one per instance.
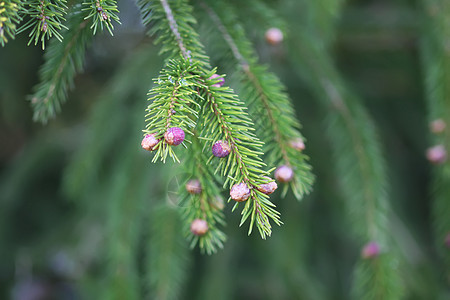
(436, 62)
(374, 280)
(360, 166)
(46, 18)
(204, 204)
(362, 180)
(267, 101)
(62, 62)
(9, 18)
(223, 114)
(102, 12)
(174, 28)
(171, 22)
(224, 118)
(173, 104)
(353, 133)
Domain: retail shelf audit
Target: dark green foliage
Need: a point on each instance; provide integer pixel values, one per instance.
(167, 256)
(360, 165)
(436, 61)
(9, 18)
(173, 104)
(374, 279)
(85, 213)
(102, 12)
(172, 24)
(208, 205)
(63, 60)
(222, 114)
(267, 100)
(45, 20)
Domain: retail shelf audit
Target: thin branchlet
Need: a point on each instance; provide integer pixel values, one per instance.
(174, 28)
(102, 13)
(237, 54)
(62, 62)
(46, 20)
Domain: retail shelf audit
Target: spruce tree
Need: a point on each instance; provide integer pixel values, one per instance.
(212, 91)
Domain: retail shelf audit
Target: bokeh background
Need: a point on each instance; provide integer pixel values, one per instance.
(77, 193)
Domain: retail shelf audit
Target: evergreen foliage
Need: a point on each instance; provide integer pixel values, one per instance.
(45, 20)
(9, 18)
(363, 183)
(222, 114)
(172, 24)
(437, 67)
(102, 12)
(207, 205)
(362, 235)
(167, 257)
(267, 100)
(63, 60)
(171, 102)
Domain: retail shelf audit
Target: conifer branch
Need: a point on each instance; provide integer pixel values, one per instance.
(174, 28)
(436, 62)
(173, 104)
(267, 101)
(201, 200)
(62, 62)
(46, 17)
(171, 22)
(102, 12)
(373, 279)
(9, 18)
(363, 181)
(223, 114)
(359, 163)
(224, 118)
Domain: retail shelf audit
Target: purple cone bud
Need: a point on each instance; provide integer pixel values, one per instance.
(199, 227)
(437, 154)
(240, 192)
(194, 186)
(150, 142)
(284, 174)
(297, 144)
(215, 77)
(221, 148)
(174, 136)
(370, 250)
(274, 36)
(268, 188)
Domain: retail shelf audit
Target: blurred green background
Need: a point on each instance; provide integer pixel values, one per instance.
(82, 208)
